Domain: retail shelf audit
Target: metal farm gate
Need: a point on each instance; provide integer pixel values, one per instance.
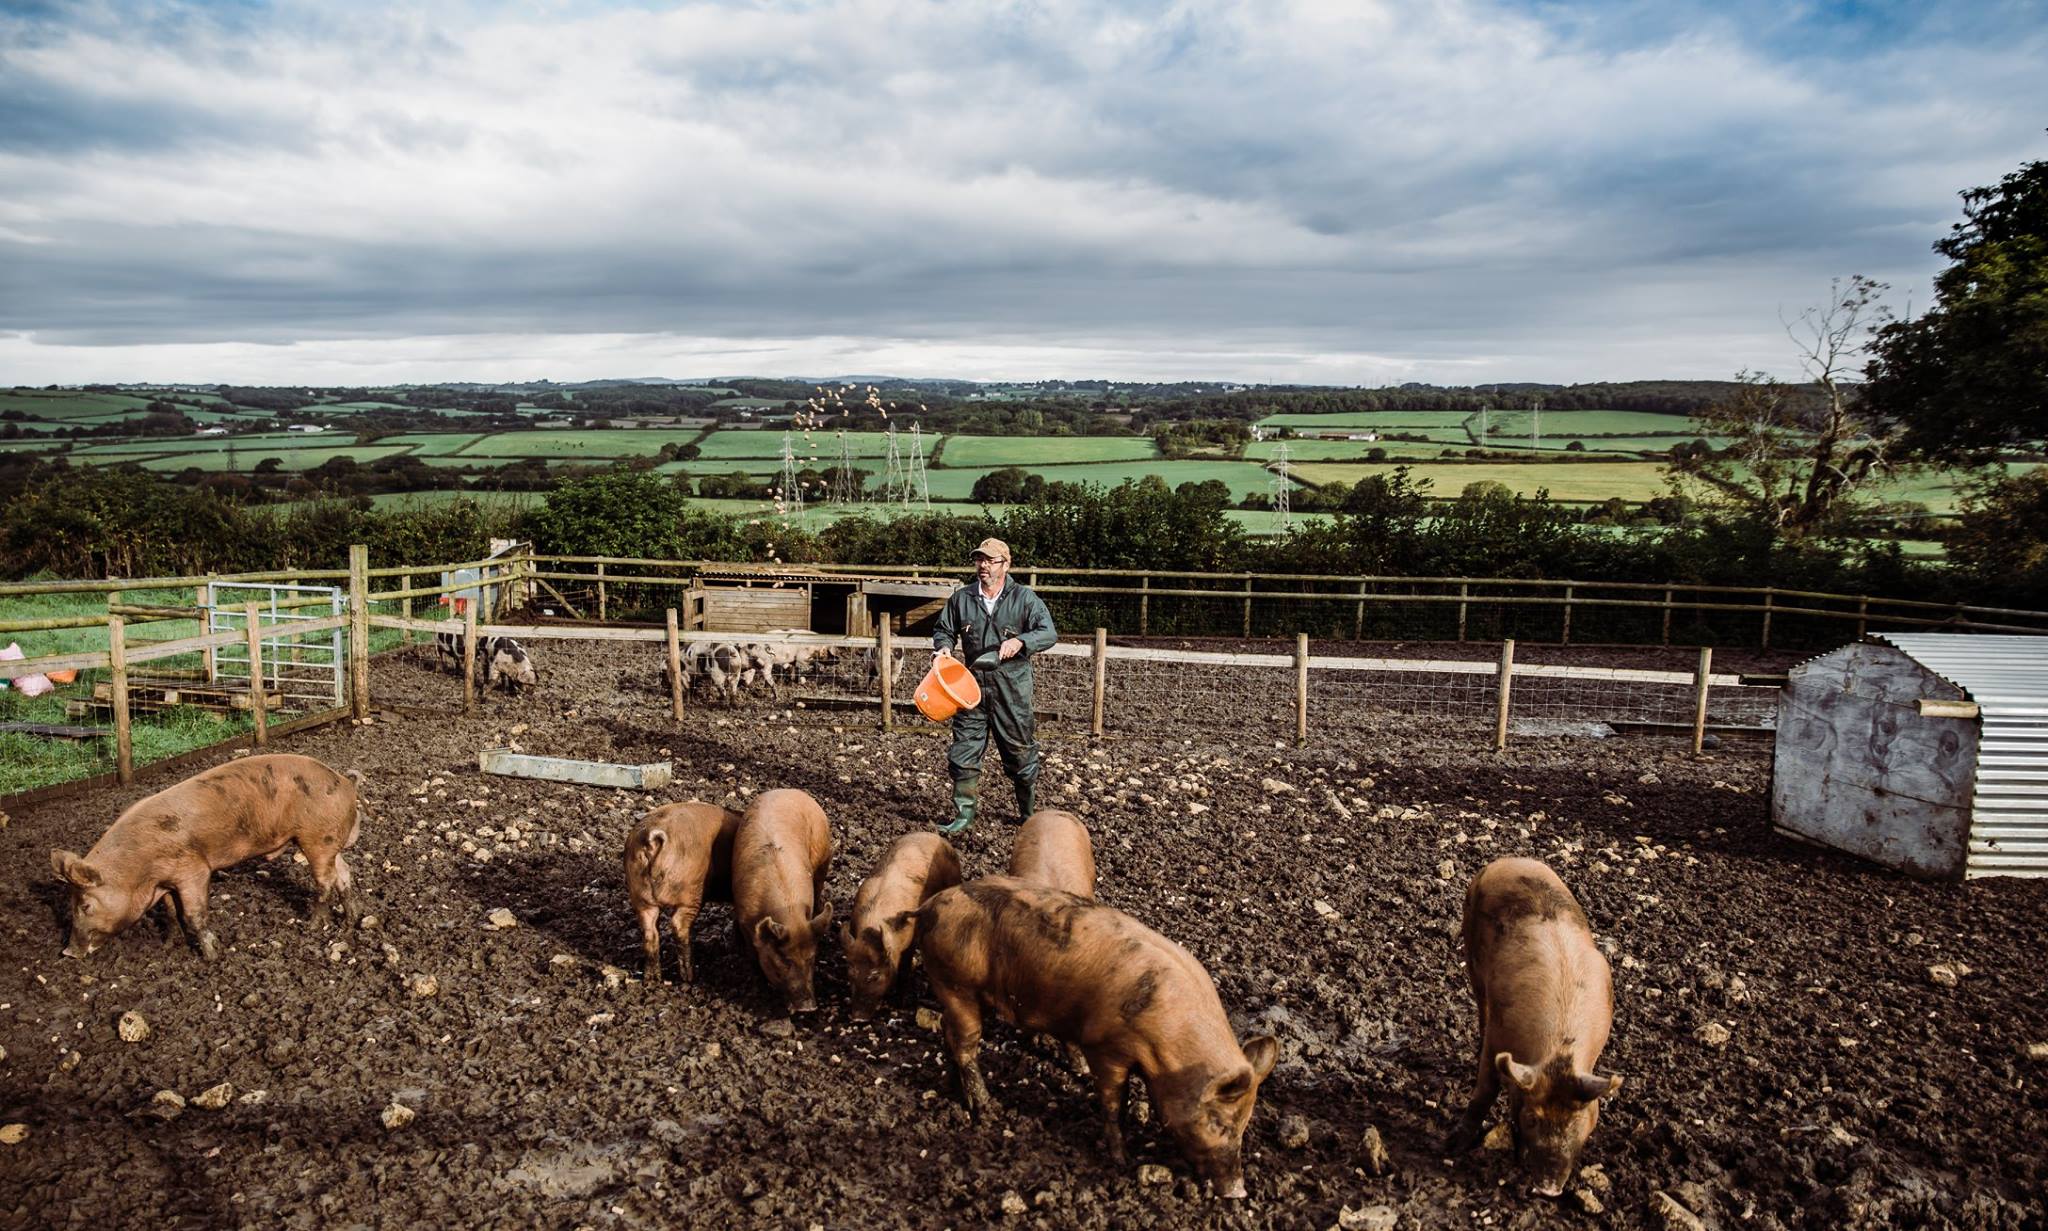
(301, 671)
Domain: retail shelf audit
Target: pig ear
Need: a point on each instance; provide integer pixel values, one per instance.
(845, 936)
(1595, 1086)
(871, 934)
(899, 921)
(1523, 1075)
(822, 918)
(770, 931)
(71, 868)
(656, 839)
(1262, 1052)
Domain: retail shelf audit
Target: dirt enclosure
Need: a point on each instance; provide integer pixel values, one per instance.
(1789, 1060)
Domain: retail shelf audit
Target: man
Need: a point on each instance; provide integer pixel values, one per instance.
(994, 626)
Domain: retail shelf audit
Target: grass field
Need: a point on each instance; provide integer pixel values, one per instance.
(1045, 450)
(1393, 419)
(1566, 480)
(288, 459)
(1588, 422)
(432, 444)
(814, 448)
(205, 444)
(428, 500)
(69, 404)
(1242, 477)
(580, 443)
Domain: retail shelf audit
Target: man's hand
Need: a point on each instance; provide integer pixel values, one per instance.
(943, 652)
(1010, 649)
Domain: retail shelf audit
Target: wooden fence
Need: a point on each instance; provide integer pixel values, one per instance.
(1350, 604)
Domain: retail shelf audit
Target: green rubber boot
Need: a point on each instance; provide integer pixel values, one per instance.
(966, 797)
(1027, 799)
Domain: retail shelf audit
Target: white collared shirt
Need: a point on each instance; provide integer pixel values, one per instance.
(988, 604)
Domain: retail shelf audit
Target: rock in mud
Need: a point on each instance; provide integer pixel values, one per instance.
(167, 1105)
(778, 1028)
(1941, 974)
(1294, 1132)
(397, 1115)
(1368, 1218)
(1589, 1201)
(70, 1061)
(502, 919)
(213, 1098)
(928, 1019)
(13, 1134)
(613, 977)
(423, 986)
(1377, 1161)
(1673, 1214)
(1594, 1177)
(1713, 1034)
(369, 923)
(133, 1027)
(1500, 1137)
(1013, 1202)
(1154, 1174)
(2037, 1051)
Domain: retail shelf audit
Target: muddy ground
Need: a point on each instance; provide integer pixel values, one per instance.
(1320, 885)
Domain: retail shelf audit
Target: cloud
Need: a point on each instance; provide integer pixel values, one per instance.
(1286, 186)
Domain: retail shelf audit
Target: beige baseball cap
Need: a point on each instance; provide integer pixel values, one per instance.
(994, 549)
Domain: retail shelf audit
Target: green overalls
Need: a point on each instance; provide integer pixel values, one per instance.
(969, 630)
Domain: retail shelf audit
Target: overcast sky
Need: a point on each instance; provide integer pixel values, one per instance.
(1331, 191)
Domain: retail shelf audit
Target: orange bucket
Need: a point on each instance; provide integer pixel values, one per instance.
(946, 689)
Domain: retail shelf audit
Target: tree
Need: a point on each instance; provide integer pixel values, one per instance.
(1794, 461)
(1971, 374)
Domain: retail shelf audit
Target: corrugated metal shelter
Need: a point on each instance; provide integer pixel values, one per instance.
(1926, 752)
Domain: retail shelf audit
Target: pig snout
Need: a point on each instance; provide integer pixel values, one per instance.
(1224, 1169)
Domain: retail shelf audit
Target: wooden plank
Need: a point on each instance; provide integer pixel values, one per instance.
(1504, 689)
(1101, 656)
(910, 589)
(1931, 708)
(117, 661)
(469, 644)
(1301, 688)
(650, 777)
(675, 668)
(1699, 698)
(251, 618)
(53, 730)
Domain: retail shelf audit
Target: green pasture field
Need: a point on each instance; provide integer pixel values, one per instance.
(1242, 478)
(1393, 420)
(432, 444)
(1048, 451)
(69, 404)
(198, 444)
(1566, 480)
(1588, 422)
(819, 448)
(739, 403)
(1299, 451)
(362, 407)
(731, 465)
(581, 443)
(246, 459)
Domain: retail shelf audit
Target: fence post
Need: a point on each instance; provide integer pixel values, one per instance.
(1101, 680)
(602, 598)
(1247, 608)
(200, 595)
(359, 631)
(1768, 596)
(1358, 624)
(1464, 595)
(1667, 615)
(1145, 605)
(675, 669)
(1567, 638)
(1699, 698)
(117, 672)
(469, 658)
(1301, 688)
(251, 618)
(885, 668)
(1862, 615)
(1502, 689)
